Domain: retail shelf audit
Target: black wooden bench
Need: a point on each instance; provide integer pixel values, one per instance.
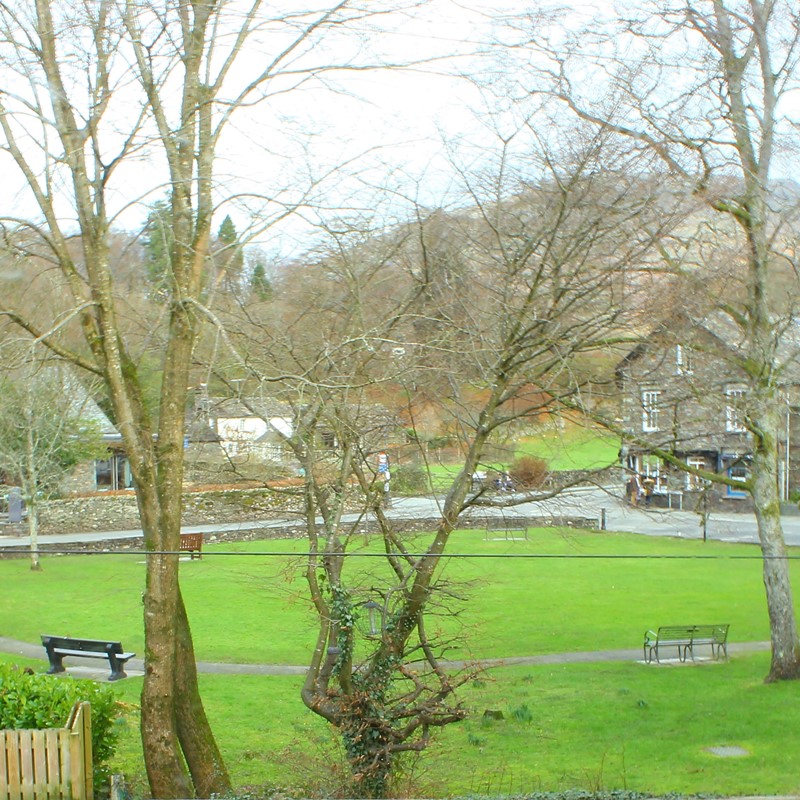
(684, 639)
(58, 647)
(192, 543)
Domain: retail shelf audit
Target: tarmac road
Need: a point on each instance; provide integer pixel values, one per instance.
(621, 516)
(595, 502)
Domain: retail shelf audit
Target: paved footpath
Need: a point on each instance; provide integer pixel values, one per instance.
(89, 667)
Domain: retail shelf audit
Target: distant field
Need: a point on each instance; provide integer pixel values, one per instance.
(572, 449)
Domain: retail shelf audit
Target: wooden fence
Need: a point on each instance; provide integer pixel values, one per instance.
(51, 764)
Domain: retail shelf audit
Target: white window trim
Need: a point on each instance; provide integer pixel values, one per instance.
(683, 360)
(650, 409)
(733, 414)
(694, 482)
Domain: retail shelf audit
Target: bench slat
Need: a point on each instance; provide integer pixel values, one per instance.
(192, 543)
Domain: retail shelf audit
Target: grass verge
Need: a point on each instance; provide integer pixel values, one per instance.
(595, 727)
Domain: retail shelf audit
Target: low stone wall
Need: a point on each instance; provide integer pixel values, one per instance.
(119, 512)
(297, 531)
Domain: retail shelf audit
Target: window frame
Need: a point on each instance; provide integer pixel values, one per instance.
(734, 415)
(683, 360)
(650, 409)
(695, 482)
(730, 490)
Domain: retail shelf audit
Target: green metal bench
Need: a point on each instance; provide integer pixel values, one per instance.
(684, 639)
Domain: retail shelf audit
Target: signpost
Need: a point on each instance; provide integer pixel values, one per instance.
(383, 471)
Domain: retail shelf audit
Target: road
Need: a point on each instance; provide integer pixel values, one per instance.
(621, 516)
(582, 501)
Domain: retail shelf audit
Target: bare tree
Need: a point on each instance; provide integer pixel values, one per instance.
(49, 426)
(705, 86)
(487, 312)
(97, 95)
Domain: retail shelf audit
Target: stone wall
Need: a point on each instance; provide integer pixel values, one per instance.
(243, 533)
(117, 511)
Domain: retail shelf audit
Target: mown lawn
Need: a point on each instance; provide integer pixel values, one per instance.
(603, 726)
(574, 448)
(559, 591)
(610, 725)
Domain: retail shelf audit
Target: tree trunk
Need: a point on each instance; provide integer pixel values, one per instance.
(33, 532)
(209, 773)
(785, 664)
(166, 771)
(29, 486)
(366, 740)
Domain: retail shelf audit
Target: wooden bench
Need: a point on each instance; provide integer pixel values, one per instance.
(499, 526)
(684, 638)
(192, 543)
(58, 647)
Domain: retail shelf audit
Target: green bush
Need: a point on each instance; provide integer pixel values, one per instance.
(409, 479)
(37, 701)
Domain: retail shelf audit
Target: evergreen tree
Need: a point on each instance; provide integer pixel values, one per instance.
(260, 284)
(157, 240)
(230, 258)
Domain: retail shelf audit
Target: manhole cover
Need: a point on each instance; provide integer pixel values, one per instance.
(728, 751)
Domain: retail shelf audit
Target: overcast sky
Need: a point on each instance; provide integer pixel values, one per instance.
(376, 135)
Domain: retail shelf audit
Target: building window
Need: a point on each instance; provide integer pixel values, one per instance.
(650, 400)
(695, 482)
(683, 360)
(113, 473)
(734, 411)
(738, 472)
(273, 452)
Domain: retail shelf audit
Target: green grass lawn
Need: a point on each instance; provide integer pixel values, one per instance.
(572, 448)
(593, 726)
(581, 591)
(602, 726)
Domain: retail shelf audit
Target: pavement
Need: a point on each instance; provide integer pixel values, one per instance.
(602, 503)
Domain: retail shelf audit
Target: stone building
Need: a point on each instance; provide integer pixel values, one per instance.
(683, 390)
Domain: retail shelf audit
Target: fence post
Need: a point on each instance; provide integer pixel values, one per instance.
(80, 725)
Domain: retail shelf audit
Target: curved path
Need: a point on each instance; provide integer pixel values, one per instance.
(90, 668)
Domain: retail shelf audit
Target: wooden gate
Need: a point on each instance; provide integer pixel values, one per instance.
(50, 764)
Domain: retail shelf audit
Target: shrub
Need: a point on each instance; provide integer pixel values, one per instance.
(37, 701)
(528, 472)
(409, 479)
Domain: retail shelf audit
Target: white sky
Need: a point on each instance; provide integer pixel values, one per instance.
(380, 139)
(387, 128)
(390, 122)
